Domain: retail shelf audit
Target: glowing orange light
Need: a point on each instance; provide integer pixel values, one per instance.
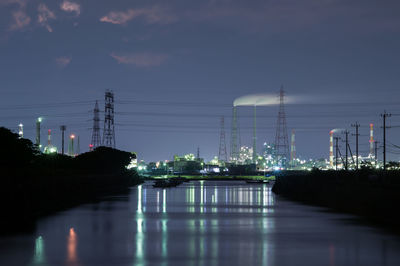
(72, 243)
(72, 136)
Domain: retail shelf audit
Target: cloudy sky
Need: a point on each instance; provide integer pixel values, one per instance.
(177, 66)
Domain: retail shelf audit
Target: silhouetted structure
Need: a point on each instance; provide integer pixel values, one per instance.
(254, 155)
(71, 145)
(234, 156)
(21, 130)
(384, 116)
(293, 150)
(78, 147)
(62, 128)
(38, 123)
(281, 137)
(109, 132)
(222, 156)
(96, 141)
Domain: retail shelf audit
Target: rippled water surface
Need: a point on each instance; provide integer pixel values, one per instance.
(200, 223)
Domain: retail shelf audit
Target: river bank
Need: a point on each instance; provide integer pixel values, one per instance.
(24, 200)
(34, 184)
(374, 195)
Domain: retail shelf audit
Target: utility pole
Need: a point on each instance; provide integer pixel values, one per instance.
(347, 143)
(337, 150)
(62, 128)
(356, 125)
(384, 115)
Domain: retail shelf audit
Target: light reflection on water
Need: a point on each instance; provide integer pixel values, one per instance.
(72, 243)
(202, 223)
(39, 256)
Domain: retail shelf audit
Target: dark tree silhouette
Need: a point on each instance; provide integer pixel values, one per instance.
(15, 151)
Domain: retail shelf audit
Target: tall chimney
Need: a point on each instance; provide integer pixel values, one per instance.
(331, 148)
(371, 140)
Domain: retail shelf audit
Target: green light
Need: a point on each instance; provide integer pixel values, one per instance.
(139, 204)
(39, 251)
(164, 201)
(40, 119)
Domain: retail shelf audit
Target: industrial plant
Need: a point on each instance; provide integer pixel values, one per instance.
(273, 156)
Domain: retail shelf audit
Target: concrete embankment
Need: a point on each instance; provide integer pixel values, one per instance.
(374, 195)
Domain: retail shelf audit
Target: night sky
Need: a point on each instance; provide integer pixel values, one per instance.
(176, 66)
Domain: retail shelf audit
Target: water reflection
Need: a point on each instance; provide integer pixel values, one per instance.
(39, 256)
(72, 242)
(205, 223)
(140, 236)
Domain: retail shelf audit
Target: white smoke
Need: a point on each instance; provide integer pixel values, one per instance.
(337, 130)
(262, 100)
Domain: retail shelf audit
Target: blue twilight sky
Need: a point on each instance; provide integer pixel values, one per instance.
(176, 66)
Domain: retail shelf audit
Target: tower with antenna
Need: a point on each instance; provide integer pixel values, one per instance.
(96, 141)
(222, 156)
(109, 132)
(281, 136)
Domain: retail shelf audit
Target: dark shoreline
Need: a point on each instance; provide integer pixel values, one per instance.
(42, 196)
(373, 196)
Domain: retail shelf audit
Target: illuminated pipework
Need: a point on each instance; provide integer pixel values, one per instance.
(49, 148)
(21, 130)
(371, 140)
(331, 148)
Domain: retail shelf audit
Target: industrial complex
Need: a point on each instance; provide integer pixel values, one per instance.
(274, 156)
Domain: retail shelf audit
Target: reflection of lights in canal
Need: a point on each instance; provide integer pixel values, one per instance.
(38, 257)
(71, 247)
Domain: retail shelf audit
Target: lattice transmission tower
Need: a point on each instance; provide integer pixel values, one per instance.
(222, 155)
(108, 131)
(234, 156)
(281, 137)
(96, 140)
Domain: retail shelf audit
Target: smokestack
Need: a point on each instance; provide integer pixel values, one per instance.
(62, 128)
(38, 122)
(331, 148)
(71, 145)
(49, 137)
(371, 140)
(292, 149)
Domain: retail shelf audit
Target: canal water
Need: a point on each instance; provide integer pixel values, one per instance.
(200, 223)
